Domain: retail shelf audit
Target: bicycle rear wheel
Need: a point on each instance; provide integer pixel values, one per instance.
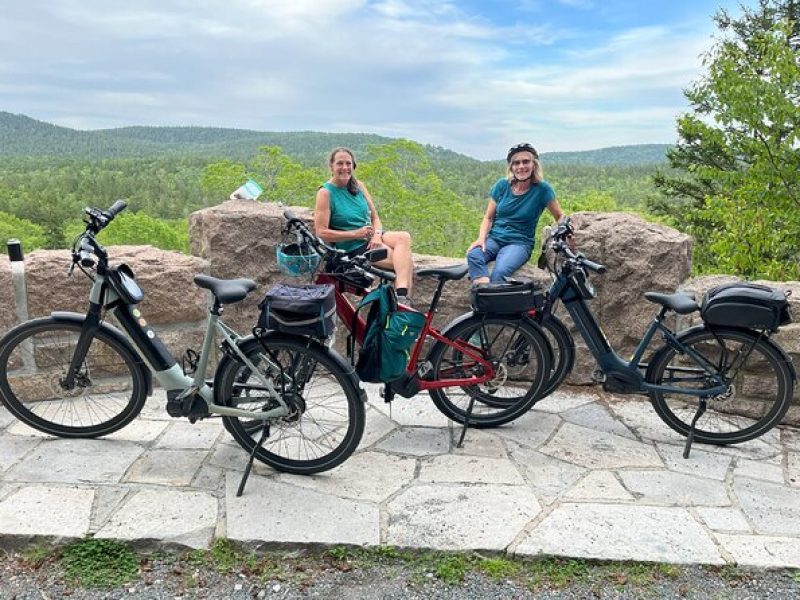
(108, 392)
(515, 347)
(759, 393)
(327, 418)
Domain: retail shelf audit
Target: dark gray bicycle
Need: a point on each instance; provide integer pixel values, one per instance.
(723, 382)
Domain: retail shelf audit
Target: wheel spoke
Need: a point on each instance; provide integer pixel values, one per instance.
(108, 390)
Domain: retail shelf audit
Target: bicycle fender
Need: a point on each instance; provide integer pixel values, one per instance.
(767, 340)
(784, 355)
(344, 365)
(79, 318)
(457, 321)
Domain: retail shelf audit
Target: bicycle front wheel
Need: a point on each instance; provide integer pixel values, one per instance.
(563, 354)
(760, 385)
(327, 414)
(109, 389)
(516, 349)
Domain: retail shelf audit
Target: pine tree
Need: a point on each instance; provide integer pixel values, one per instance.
(737, 187)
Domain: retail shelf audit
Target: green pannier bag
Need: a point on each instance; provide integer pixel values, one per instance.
(388, 337)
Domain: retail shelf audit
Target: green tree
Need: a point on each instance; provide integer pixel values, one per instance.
(410, 196)
(222, 178)
(738, 191)
(140, 229)
(283, 179)
(31, 236)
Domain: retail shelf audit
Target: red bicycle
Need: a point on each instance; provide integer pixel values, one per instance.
(481, 370)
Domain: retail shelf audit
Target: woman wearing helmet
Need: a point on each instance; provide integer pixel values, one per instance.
(508, 228)
(345, 216)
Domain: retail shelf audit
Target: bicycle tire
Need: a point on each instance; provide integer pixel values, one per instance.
(563, 359)
(519, 377)
(109, 392)
(752, 406)
(330, 417)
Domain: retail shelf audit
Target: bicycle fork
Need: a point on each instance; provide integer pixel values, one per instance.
(89, 328)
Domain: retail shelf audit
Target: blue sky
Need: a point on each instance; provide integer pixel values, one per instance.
(470, 75)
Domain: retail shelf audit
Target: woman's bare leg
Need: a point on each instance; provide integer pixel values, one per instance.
(399, 245)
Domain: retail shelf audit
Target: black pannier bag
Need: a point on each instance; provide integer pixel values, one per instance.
(300, 309)
(513, 296)
(745, 305)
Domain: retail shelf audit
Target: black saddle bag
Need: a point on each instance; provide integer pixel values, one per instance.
(514, 296)
(299, 309)
(745, 305)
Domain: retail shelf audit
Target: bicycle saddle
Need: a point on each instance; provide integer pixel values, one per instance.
(226, 290)
(451, 273)
(681, 302)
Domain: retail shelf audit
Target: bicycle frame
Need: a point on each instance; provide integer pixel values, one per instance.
(608, 360)
(347, 313)
(163, 365)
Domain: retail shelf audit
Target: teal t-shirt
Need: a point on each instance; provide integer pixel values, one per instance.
(516, 217)
(348, 212)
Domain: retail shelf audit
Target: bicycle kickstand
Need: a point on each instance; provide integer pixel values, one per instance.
(249, 465)
(387, 393)
(460, 443)
(690, 436)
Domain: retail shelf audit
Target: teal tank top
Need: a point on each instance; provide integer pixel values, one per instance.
(348, 212)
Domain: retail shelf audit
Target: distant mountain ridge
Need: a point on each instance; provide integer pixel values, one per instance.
(21, 135)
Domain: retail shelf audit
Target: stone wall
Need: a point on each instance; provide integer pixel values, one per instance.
(237, 239)
(172, 302)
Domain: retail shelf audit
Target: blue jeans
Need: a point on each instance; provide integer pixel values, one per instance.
(508, 258)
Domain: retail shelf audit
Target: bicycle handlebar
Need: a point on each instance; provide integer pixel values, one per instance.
(361, 262)
(86, 247)
(564, 231)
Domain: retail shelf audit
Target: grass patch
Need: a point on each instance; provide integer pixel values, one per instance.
(102, 563)
(499, 568)
(557, 573)
(640, 575)
(733, 574)
(452, 568)
(225, 558)
(35, 556)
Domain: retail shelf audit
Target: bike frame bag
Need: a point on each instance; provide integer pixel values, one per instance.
(513, 296)
(299, 309)
(124, 283)
(745, 305)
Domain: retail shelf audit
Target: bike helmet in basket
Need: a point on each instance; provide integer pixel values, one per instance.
(297, 259)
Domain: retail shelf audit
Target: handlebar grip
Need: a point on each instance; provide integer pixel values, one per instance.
(593, 266)
(289, 215)
(387, 275)
(116, 208)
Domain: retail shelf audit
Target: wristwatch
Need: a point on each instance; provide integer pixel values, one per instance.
(379, 231)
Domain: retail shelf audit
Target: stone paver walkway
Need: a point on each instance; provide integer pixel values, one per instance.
(580, 475)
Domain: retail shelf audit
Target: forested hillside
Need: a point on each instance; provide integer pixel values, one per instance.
(23, 136)
(49, 173)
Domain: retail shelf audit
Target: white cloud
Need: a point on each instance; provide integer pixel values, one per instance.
(436, 72)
